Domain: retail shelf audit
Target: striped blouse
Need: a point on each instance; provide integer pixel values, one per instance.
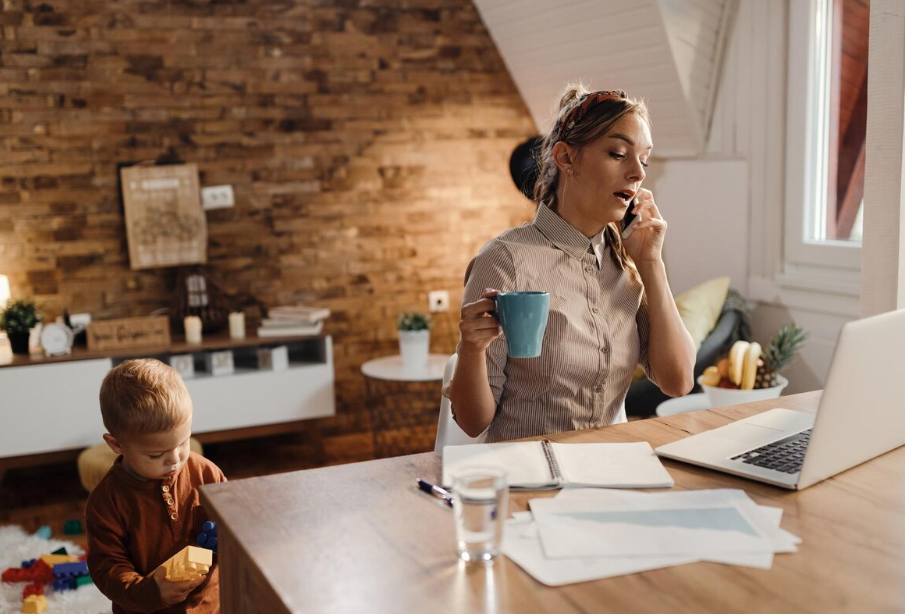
(597, 331)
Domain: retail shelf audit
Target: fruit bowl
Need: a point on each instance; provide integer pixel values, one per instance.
(721, 397)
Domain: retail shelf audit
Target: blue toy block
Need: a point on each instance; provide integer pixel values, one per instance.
(70, 570)
(208, 536)
(28, 563)
(44, 532)
(64, 584)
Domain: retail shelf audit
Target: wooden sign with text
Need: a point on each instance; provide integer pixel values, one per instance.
(129, 333)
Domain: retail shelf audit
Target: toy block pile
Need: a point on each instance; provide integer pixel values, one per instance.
(63, 571)
(189, 563)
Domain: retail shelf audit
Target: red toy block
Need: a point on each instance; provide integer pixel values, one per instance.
(42, 573)
(32, 589)
(16, 574)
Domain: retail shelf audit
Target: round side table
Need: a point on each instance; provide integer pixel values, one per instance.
(403, 403)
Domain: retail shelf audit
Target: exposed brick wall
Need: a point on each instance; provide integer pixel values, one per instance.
(367, 143)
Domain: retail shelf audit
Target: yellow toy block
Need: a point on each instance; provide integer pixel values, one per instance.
(34, 604)
(188, 564)
(53, 559)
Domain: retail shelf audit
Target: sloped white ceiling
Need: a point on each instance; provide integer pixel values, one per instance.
(668, 52)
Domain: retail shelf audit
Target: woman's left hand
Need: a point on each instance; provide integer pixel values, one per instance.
(646, 242)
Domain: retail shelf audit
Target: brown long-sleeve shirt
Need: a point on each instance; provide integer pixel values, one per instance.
(134, 525)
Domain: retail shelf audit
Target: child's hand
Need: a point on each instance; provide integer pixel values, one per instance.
(174, 592)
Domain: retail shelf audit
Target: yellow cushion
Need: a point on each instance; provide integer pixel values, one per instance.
(700, 309)
(95, 462)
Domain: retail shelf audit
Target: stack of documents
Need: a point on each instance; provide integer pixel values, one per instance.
(588, 534)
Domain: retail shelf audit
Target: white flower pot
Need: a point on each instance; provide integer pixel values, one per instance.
(414, 346)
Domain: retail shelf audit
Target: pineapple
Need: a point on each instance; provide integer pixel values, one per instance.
(782, 350)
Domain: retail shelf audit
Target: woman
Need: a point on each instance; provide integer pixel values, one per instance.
(610, 302)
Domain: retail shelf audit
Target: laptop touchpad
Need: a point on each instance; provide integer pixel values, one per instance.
(745, 432)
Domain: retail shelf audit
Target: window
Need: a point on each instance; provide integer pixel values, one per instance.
(826, 126)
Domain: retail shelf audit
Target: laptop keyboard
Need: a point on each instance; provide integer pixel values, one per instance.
(785, 455)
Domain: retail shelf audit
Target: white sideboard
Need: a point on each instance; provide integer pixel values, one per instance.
(49, 405)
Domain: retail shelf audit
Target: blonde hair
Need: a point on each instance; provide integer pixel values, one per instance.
(596, 122)
(143, 396)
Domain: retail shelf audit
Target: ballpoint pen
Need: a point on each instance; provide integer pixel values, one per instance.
(436, 491)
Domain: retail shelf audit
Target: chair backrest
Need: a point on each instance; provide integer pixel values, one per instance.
(448, 432)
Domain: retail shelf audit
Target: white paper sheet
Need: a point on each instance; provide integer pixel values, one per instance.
(521, 543)
(698, 524)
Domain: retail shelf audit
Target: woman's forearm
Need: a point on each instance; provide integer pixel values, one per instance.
(470, 394)
(670, 348)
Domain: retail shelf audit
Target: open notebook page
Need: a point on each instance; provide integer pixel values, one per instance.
(524, 461)
(612, 465)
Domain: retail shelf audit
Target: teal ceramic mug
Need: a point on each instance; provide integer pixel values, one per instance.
(523, 316)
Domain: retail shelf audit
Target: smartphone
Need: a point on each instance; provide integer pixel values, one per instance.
(630, 219)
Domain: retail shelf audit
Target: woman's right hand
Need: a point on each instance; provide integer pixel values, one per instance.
(479, 325)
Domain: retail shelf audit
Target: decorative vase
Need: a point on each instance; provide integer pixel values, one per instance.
(18, 341)
(413, 347)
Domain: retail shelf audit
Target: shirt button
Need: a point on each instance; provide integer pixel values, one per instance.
(605, 349)
(595, 310)
(169, 502)
(598, 388)
(174, 516)
(587, 269)
(165, 488)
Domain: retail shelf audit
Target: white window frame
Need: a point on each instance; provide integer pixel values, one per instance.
(834, 265)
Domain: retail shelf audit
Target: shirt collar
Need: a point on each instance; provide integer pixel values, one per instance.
(598, 243)
(560, 233)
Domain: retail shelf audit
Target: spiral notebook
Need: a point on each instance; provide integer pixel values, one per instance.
(536, 465)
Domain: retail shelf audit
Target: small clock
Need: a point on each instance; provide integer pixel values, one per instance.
(56, 339)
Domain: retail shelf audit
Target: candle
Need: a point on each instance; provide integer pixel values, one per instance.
(237, 325)
(192, 329)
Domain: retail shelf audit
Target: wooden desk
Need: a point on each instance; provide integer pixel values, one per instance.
(361, 538)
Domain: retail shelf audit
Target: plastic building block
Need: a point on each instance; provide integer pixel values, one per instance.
(16, 574)
(34, 604)
(55, 559)
(41, 572)
(72, 527)
(44, 532)
(70, 570)
(28, 563)
(188, 564)
(64, 584)
(83, 580)
(60, 551)
(208, 536)
(32, 589)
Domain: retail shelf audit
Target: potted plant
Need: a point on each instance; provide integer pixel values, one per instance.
(414, 339)
(17, 319)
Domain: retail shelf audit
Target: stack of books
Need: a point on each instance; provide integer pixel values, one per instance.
(291, 320)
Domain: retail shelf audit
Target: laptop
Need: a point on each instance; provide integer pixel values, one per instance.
(861, 416)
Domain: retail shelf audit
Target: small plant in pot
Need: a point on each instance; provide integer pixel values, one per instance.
(17, 319)
(414, 338)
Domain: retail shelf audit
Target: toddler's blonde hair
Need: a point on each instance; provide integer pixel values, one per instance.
(143, 396)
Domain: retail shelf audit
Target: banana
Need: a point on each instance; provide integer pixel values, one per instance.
(737, 361)
(749, 372)
(710, 376)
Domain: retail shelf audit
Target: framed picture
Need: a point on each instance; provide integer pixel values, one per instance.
(165, 225)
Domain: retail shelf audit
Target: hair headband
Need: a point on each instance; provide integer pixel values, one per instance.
(586, 103)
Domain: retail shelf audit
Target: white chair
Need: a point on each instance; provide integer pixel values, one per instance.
(448, 432)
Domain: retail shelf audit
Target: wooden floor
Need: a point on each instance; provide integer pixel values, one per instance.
(52, 494)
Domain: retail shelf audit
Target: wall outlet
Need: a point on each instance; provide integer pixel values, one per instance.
(217, 197)
(438, 300)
